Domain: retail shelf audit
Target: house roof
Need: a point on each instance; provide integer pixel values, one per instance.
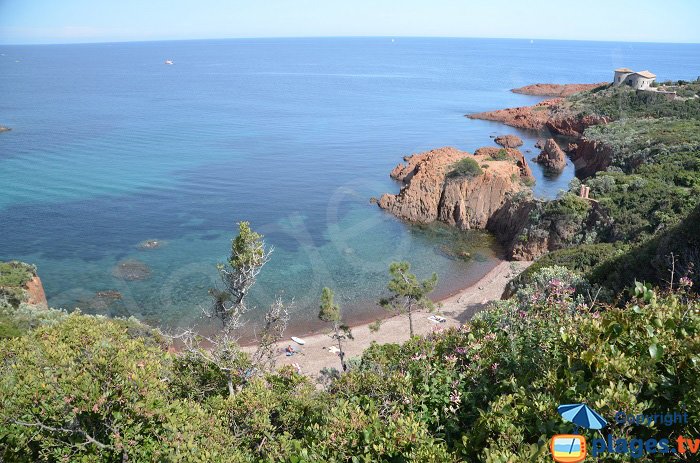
(646, 74)
(623, 70)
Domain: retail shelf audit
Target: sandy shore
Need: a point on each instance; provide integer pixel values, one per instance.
(314, 354)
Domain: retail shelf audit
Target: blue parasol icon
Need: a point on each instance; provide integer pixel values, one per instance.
(582, 415)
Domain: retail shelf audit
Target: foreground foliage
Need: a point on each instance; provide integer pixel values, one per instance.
(94, 389)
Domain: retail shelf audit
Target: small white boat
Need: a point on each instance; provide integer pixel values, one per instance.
(299, 341)
(168, 61)
(437, 319)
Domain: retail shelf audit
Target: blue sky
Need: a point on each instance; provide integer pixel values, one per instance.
(67, 21)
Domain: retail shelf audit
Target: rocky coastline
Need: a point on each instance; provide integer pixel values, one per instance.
(558, 90)
(500, 198)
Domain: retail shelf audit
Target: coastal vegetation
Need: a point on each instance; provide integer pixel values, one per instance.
(90, 388)
(408, 294)
(624, 102)
(610, 317)
(330, 312)
(646, 183)
(466, 167)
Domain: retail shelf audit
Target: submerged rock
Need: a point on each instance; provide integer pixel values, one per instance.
(150, 244)
(131, 270)
(103, 299)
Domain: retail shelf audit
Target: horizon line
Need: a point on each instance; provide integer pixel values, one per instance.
(531, 39)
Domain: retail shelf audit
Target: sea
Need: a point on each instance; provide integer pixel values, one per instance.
(111, 147)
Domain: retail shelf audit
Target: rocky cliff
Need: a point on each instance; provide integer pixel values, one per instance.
(20, 284)
(591, 156)
(429, 191)
(529, 227)
(35, 292)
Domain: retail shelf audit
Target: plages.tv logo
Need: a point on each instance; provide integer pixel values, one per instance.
(568, 448)
(571, 448)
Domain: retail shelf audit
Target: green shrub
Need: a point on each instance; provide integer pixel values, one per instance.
(567, 206)
(466, 167)
(581, 259)
(16, 274)
(501, 155)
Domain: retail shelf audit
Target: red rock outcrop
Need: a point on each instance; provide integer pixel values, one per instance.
(523, 117)
(590, 157)
(546, 116)
(35, 292)
(572, 125)
(508, 141)
(423, 177)
(552, 157)
(512, 153)
(429, 194)
(555, 89)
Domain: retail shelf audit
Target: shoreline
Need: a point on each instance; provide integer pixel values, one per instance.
(456, 309)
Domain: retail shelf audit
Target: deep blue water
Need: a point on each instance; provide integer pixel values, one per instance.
(111, 147)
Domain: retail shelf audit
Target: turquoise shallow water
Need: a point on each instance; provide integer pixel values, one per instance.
(111, 147)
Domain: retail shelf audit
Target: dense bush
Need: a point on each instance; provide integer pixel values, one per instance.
(466, 167)
(14, 276)
(94, 389)
(671, 255)
(501, 155)
(491, 388)
(636, 141)
(643, 204)
(624, 102)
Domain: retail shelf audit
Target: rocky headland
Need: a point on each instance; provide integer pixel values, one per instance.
(555, 89)
(552, 116)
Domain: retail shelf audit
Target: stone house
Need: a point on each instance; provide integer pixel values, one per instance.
(641, 80)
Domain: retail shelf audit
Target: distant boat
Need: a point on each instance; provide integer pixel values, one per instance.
(168, 61)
